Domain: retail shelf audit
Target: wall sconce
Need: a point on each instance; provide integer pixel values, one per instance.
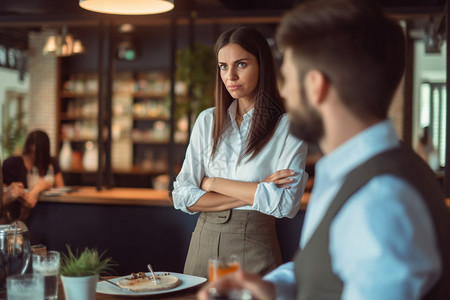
(63, 45)
(128, 7)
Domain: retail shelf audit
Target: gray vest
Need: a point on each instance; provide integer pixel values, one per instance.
(314, 275)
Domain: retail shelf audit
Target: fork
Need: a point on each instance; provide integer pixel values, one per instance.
(118, 286)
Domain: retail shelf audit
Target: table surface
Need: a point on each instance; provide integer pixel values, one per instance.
(190, 293)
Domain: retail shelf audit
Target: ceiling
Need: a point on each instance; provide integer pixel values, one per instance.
(42, 7)
(18, 17)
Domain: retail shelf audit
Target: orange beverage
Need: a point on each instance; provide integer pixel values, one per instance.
(211, 271)
(220, 267)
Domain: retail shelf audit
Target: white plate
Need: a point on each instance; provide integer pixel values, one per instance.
(57, 191)
(187, 281)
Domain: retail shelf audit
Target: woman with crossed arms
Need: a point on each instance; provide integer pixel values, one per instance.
(242, 167)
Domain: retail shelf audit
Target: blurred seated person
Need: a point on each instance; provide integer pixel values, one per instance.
(35, 169)
(10, 193)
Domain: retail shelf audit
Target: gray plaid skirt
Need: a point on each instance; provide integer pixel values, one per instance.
(250, 235)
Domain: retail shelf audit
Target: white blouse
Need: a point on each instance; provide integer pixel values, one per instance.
(283, 151)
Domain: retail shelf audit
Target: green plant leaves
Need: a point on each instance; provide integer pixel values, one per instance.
(89, 262)
(197, 68)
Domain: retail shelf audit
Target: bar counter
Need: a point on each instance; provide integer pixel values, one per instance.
(114, 196)
(123, 196)
(130, 196)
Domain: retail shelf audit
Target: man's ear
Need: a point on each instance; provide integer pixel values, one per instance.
(316, 86)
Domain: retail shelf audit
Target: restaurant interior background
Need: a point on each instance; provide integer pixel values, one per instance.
(129, 83)
(59, 92)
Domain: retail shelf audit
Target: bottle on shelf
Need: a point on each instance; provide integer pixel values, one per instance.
(65, 156)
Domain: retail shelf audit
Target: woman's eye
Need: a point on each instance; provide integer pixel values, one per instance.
(222, 67)
(242, 65)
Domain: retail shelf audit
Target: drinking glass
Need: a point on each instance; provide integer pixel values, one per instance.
(14, 252)
(25, 287)
(47, 265)
(220, 267)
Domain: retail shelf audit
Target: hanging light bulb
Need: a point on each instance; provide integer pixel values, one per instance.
(128, 7)
(64, 43)
(77, 47)
(50, 45)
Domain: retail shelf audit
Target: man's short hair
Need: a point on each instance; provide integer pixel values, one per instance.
(359, 49)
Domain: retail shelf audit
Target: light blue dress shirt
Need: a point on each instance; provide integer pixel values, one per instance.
(283, 151)
(382, 242)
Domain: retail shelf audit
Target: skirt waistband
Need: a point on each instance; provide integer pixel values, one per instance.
(238, 220)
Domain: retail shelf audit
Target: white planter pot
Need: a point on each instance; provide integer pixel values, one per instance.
(80, 288)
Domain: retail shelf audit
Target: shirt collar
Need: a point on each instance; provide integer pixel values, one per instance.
(373, 140)
(232, 111)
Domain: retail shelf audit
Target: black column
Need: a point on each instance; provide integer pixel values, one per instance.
(101, 101)
(173, 49)
(108, 75)
(447, 85)
(105, 69)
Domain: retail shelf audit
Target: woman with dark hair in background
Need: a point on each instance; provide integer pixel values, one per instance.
(242, 167)
(35, 169)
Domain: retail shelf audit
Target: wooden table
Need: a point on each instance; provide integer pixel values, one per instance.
(190, 293)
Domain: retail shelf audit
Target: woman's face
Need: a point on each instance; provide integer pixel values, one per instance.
(33, 153)
(239, 71)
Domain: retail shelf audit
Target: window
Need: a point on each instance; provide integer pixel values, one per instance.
(433, 114)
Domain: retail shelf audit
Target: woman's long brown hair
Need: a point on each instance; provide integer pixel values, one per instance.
(268, 102)
(41, 143)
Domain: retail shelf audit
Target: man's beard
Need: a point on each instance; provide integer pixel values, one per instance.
(309, 125)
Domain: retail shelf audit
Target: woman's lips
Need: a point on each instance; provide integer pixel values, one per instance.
(233, 87)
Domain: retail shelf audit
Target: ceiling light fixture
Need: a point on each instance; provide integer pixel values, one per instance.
(63, 44)
(128, 7)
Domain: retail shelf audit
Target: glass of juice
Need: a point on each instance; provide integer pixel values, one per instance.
(222, 266)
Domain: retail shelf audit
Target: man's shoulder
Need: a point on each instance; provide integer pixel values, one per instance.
(404, 163)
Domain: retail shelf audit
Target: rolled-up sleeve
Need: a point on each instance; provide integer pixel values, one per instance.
(282, 202)
(186, 191)
(284, 280)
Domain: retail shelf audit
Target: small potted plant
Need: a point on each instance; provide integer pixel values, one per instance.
(80, 272)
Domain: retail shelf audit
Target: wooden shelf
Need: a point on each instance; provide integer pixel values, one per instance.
(67, 94)
(148, 118)
(149, 94)
(159, 143)
(66, 117)
(79, 140)
(150, 102)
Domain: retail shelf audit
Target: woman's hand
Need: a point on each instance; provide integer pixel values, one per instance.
(207, 183)
(30, 199)
(280, 178)
(14, 191)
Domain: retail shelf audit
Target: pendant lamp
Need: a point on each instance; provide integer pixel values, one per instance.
(128, 7)
(63, 44)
